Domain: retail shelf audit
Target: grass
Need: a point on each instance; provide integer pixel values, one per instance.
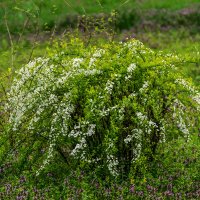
(46, 14)
(22, 54)
(180, 42)
(164, 4)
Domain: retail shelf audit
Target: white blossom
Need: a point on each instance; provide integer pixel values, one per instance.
(140, 116)
(109, 86)
(144, 87)
(77, 62)
(112, 165)
(98, 53)
(128, 139)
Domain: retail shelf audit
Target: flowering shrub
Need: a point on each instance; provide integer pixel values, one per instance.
(102, 107)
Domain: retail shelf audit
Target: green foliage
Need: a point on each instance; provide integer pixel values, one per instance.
(23, 52)
(181, 42)
(104, 108)
(30, 16)
(174, 175)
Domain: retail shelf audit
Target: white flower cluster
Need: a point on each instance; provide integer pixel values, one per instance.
(78, 132)
(54, 134)
(162, 134)
(182, 126)
(136, 135)
(185, 84)
(144, 120)
(77, 62)
(112, 161)
(61, 116)
(130, 70)
(59, 82)
(41, 108)
(141, 117)
(112, 165)
(128, 139)
(144, 87)
(132, 95)
(89, 72)
(82, 144)
(177, 115)
(65, 110)
(97, 54)
(137, 151)
(105, 112)
(197, 99)
(21, 98)
(195, 94)
(92, 60)
(34, 93)
(121, 113)
(133, 45)
(148, 126)
(109, 86)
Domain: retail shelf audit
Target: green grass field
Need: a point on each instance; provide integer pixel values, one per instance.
(48, 13)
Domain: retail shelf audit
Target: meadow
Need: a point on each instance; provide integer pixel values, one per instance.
(89, 112)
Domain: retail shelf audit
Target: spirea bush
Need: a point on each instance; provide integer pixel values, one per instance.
(102, 107)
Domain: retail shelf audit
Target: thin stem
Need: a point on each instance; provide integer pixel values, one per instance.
(11, 41)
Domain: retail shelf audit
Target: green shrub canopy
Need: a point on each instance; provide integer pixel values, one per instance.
(103, 107)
